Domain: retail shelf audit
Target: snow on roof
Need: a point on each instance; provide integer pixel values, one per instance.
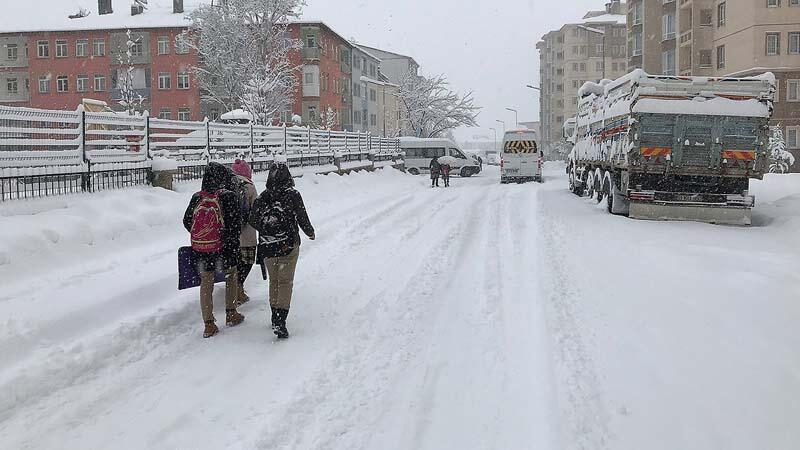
(619, 19)
(366, 52)
(362, 46)
(323, 24)
(53, 15)
(374, 81)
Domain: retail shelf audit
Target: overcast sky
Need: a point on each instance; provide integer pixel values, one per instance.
(488, 47)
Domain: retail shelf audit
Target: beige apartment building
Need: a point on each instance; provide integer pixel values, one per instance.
(723, 38)
(590, 49)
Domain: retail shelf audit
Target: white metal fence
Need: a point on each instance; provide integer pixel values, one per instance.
(46, 152)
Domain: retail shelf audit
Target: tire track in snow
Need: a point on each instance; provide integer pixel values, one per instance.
(381, 338)
(584, 420)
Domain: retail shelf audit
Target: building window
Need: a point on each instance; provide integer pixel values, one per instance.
(82, 83)
(721, 57)
(357, 117)
(12, 52)
(214, 115)
(721, 10)
(583, 49)
(792, 90)
(792, 138)
(43, 49)
(308, 78)
(62, 83)
(12, 85)
(583, 67)
(165, 113)
(181, 45)
(773, 3)
(575, 67)
(706, 18)
(705, 59)
(163, 45)
(637, 13)
(137, 49)
(636, 43)
(599, 49)
(184, 114)
(373, 120)
(373, 95)
(82, 48)
(668, 62)
(357, 90)
(312, 114)
(668, 26)
(794, 43)
(373, 71)
(99, 83)
(598, 66)
(164, 80)
(44, 84)
(183, 80)
(794, 2)
(311, 42)
(99, 47)
(62, 51)
(773, 44)
(357, 63)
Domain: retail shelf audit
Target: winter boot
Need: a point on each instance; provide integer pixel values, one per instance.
(279, 323)
(243, 297)
(210, 330)
(233, 318)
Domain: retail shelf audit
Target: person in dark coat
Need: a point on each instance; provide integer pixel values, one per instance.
(215, 181)
(280, 256)
(435, 172)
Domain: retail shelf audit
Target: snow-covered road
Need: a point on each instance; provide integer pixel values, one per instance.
(483, 316)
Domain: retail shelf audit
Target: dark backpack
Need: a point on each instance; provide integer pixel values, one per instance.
(276, 227)
(207, 223)
(239, 187)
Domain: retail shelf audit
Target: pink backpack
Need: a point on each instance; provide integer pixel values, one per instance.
(207, 223)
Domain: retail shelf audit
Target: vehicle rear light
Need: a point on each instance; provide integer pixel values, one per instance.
(656, 152)
(642, 196)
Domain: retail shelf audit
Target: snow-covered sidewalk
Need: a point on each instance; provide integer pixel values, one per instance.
(479, 316)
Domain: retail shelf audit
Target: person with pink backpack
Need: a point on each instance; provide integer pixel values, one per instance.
(214, 220)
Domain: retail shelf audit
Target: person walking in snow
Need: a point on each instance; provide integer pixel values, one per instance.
(444, 167)
(213, 219)
(248, 240)
(435, 169)
(277, 215)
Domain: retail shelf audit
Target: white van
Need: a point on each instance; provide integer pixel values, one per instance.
(521, 159)
(419, 153)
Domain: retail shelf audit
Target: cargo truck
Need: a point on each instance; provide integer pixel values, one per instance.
(671, 147)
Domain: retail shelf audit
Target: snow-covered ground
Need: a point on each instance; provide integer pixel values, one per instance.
(483, 316)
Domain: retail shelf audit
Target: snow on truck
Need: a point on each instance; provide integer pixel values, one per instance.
(672, 148)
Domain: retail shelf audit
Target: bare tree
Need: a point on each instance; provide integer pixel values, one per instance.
(244, 47)
(430, 108)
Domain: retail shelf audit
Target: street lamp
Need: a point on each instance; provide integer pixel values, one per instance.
(602, 33)
(495, 137)
(533, 87)
(504, 125)
(516, 115)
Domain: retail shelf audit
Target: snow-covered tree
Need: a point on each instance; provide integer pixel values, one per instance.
(781, 160)
(328, 120)
(430, 108)
(129, 98)
(244, 47)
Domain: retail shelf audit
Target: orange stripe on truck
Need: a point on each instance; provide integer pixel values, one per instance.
(741, 155)
(654, 152)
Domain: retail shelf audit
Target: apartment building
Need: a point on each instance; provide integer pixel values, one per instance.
(60, 57)
(722, 38)
(365, 64)
(383, 114)
(393, 65)
(590, 49)
(325, 77)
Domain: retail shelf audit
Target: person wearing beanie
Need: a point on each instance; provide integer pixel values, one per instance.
(249, 238)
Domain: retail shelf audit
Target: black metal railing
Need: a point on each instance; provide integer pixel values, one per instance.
(79, 181)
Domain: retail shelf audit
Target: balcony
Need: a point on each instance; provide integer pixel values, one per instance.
(310, 53)
(686, 38)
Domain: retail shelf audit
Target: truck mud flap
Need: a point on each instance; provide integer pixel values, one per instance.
(722, 215)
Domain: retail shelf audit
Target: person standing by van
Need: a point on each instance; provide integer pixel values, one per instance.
(277, 214)
(213, 218)
(435, 169)
(444, 167)
(248, 238)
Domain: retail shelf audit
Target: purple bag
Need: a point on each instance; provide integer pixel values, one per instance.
(188, 277)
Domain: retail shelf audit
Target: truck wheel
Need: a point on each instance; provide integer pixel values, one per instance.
(590, 185)
(466, 172)
(413, 171)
